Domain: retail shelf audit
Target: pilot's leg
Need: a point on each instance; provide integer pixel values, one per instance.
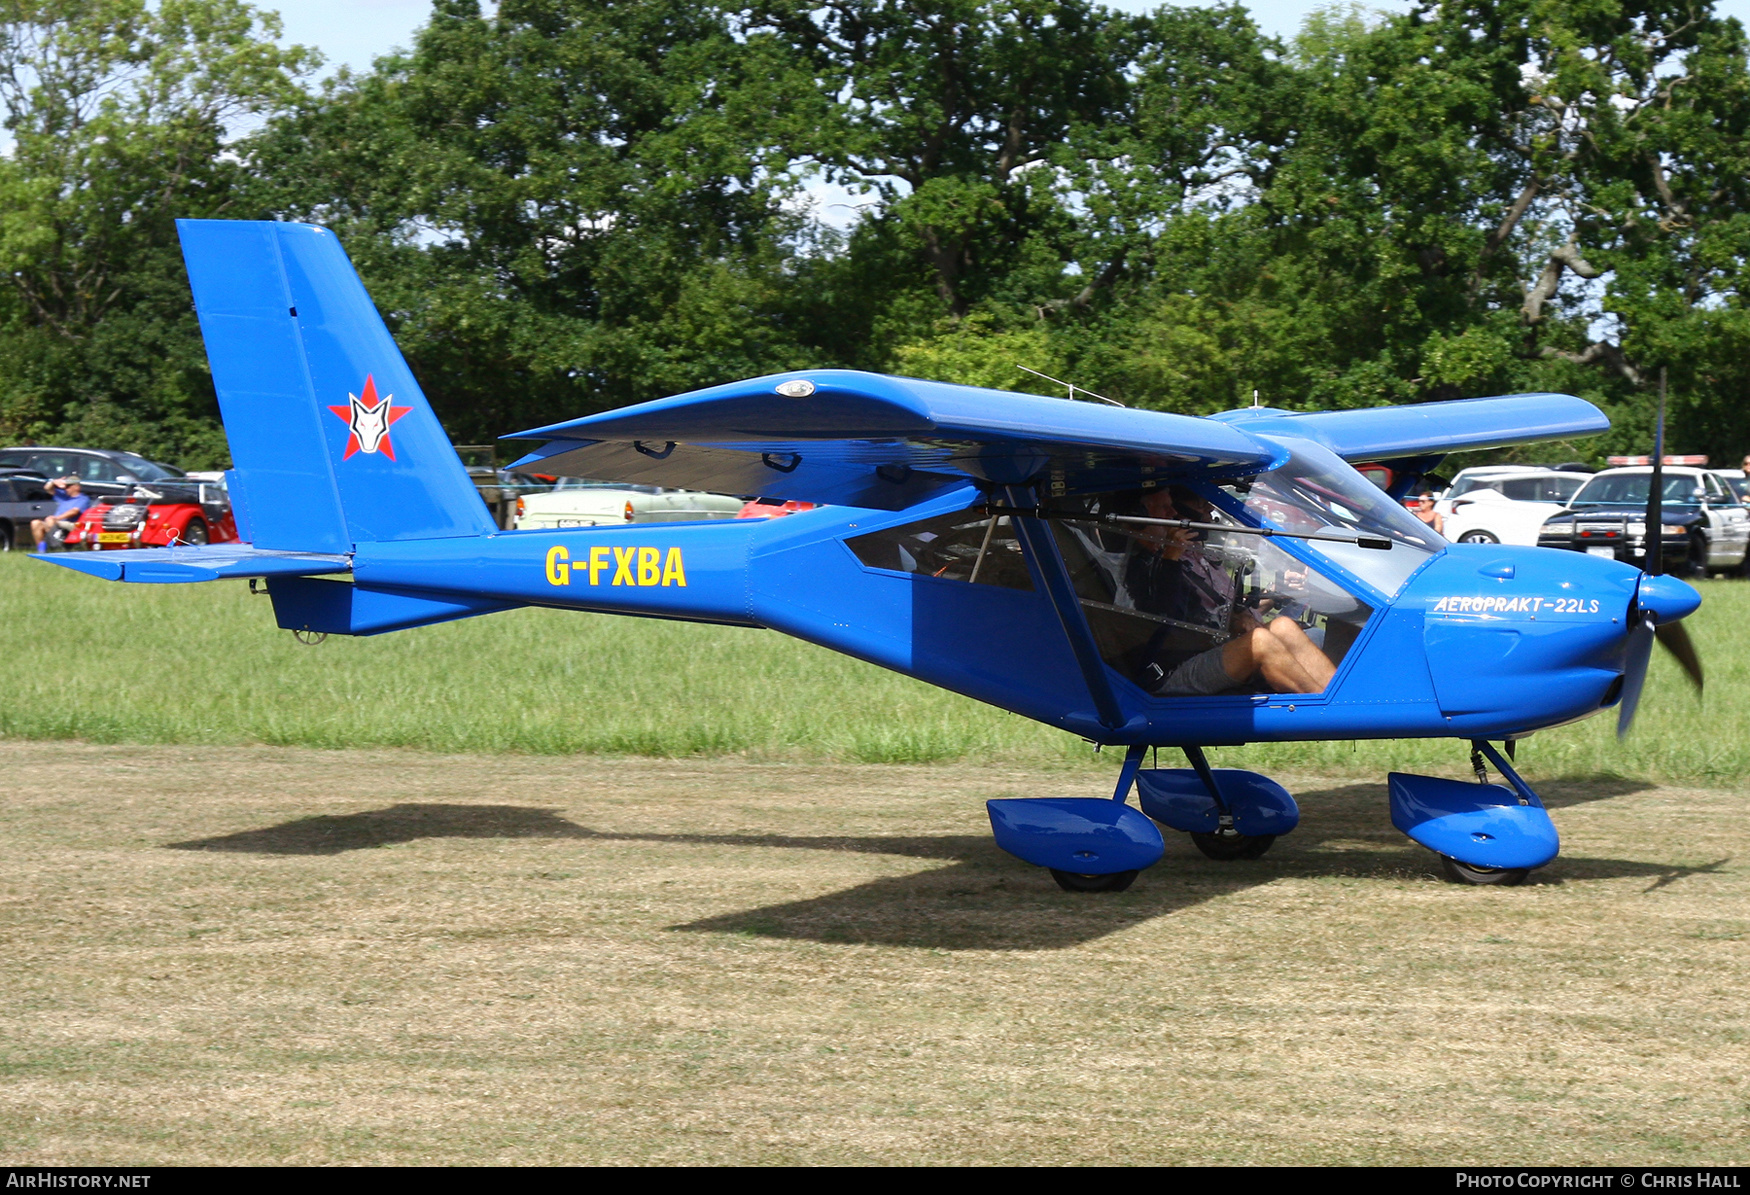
(1259, 651)
(1316, 663)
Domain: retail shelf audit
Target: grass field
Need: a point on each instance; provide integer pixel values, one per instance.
(265, 954)
(203, 664)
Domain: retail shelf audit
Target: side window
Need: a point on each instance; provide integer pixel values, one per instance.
(1523, 489)
(1716, 493)
(50, 464)
(96, 468)
(1162, 621)
(962, 546)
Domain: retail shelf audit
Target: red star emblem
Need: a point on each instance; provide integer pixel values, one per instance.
(368, 420)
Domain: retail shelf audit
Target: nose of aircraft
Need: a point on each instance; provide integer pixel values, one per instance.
(1666, 598)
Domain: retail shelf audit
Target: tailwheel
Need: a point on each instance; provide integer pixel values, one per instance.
(1228, 845)
(1116, 881)
(1464, 873)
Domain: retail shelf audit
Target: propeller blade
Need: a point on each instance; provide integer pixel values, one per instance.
(1674, 638)
(1634, 673)
(1654, 559)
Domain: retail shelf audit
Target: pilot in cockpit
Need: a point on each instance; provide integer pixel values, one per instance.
(1172, 576)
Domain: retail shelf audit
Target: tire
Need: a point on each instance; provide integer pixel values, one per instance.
(1695, 563)
(195, 533)
(1116, 881)
(1226, 848)
(1464, 873)
(1477, 537)
(5, 538)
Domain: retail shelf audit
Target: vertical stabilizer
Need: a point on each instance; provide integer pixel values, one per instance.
(332, 440)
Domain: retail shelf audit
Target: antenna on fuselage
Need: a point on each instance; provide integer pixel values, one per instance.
(1072, 386)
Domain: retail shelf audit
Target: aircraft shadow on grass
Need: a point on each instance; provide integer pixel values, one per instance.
(982, 899)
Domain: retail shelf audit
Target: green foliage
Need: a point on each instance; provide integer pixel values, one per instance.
(118, 112)
(562, 206)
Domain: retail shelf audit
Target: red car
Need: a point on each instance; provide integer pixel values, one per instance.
(773, 508)
(159, 515)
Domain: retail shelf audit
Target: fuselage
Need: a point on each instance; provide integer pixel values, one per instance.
(1481, 641)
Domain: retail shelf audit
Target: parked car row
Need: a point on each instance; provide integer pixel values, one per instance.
(1705, 512)
(137, 502)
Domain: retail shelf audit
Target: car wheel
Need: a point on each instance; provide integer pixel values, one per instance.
(1695, 563)
(1477, 537)
(194, 533)
(5, 539)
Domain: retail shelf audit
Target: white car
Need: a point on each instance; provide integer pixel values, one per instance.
(576, 502)
(1505, 504)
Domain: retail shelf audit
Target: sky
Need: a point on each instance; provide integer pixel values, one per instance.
(352, 32)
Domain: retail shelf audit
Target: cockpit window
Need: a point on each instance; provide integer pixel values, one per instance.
(963, 546)
(1165, 609)
(1315, 491)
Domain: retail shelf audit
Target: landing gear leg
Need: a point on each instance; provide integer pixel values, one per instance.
(1226, 844)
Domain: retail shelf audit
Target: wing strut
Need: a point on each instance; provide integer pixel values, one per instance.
(1053, 577)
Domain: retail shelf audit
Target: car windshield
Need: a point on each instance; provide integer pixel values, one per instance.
(584, 483)
(1549, 488)
(1315, 490)
(1630, 489)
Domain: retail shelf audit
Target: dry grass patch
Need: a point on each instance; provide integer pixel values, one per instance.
(264, 954)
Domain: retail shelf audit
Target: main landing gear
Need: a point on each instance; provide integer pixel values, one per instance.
(1116, 881)
(1095, 845)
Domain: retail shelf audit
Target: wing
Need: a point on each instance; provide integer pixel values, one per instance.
(1431, 428)
(850, 438)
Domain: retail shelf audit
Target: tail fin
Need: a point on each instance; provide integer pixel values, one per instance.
(333, 442)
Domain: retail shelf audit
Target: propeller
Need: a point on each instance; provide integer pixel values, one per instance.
(1658, 603)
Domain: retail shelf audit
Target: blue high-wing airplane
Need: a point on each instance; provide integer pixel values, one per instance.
(1138, 578)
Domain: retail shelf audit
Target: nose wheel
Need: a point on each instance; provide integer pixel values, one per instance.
(1464, 873)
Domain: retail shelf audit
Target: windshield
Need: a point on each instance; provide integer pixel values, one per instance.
(1317, 491)
(1630, 489)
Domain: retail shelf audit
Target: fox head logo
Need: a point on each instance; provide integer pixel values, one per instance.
(368, 420)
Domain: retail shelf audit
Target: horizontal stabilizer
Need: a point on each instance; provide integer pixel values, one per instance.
(846, 437)
(170, 566)
(1431, 428)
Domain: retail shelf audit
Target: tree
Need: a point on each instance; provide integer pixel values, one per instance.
(119, 113)
(565, 206)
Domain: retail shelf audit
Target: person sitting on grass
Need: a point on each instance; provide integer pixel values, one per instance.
(71, 503)
(1169, 576)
